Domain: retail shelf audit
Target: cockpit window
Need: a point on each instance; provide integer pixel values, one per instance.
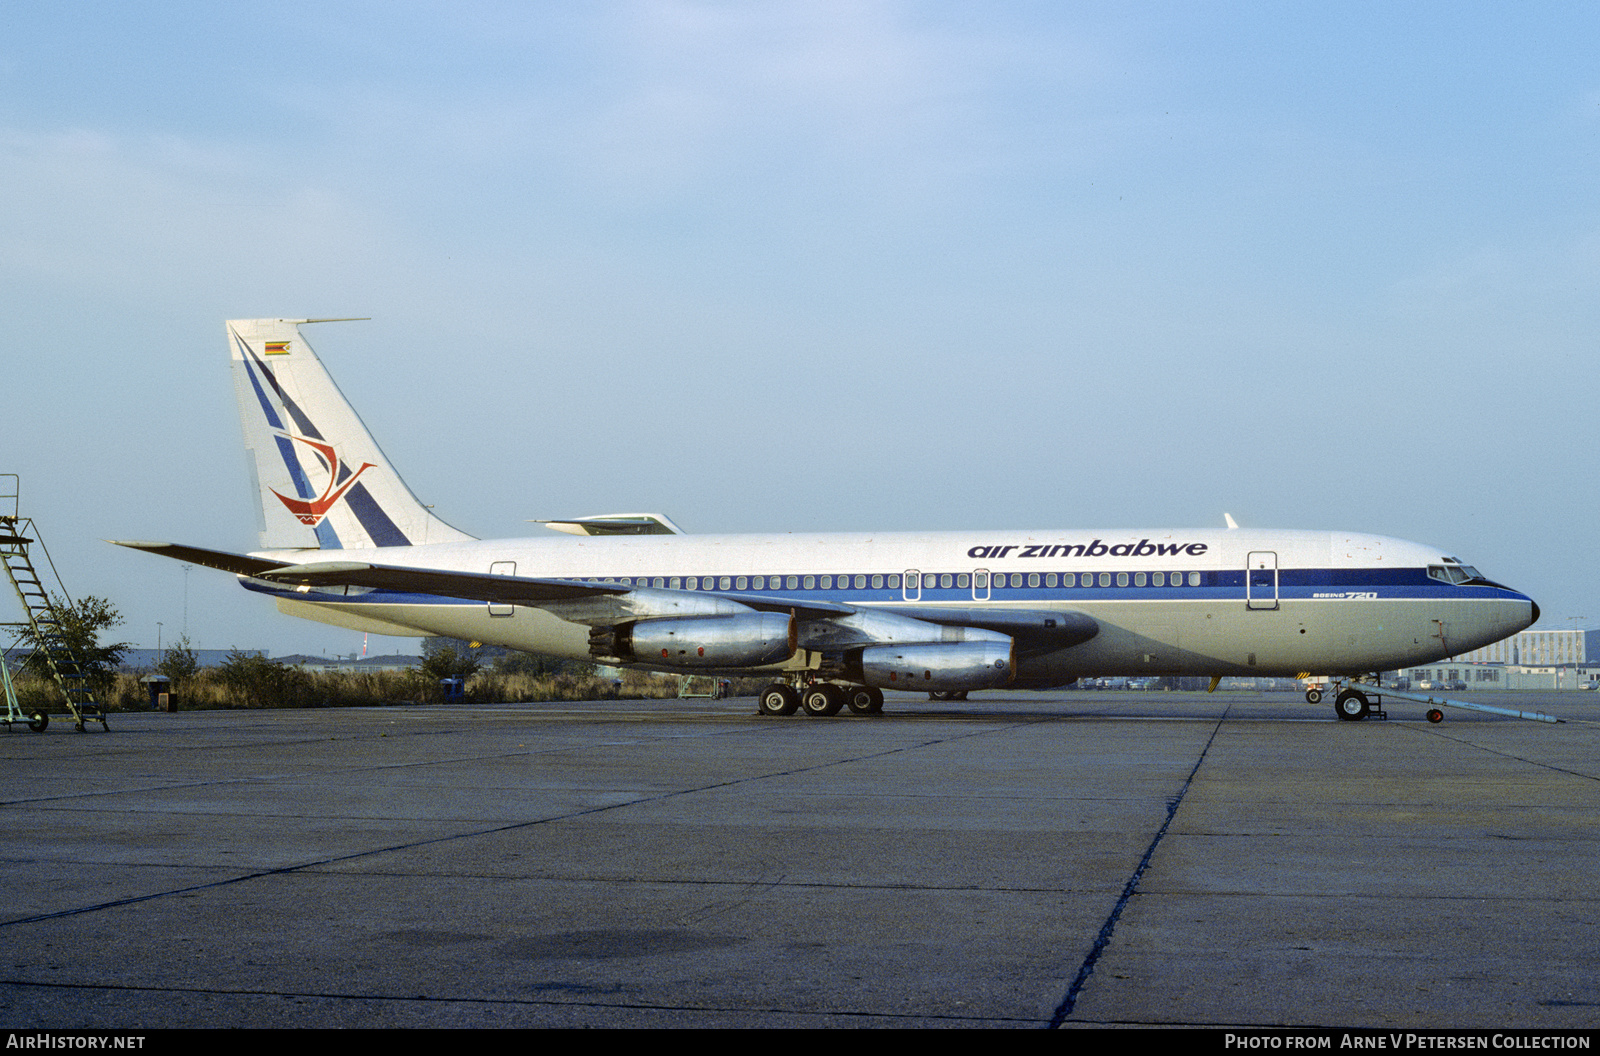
(1455, 573)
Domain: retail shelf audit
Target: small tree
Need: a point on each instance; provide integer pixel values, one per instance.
(536, 664)
(449, 658)
(80, 624)
(261, 683)
(179, 663)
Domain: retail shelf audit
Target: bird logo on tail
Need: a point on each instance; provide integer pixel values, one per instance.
(311, 511)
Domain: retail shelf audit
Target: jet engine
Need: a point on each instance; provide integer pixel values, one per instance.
(939, 665)
(751, 639)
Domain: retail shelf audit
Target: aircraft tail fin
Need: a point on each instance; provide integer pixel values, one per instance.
(320, 479)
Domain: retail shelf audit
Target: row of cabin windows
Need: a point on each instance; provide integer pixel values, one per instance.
(930, 581)
(1089, 579)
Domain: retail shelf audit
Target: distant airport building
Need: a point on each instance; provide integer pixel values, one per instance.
(1539, 649)
(1453, 674)
(1567, 659)
(393, 662)
(146, 659)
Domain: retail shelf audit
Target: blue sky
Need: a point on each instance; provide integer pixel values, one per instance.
(813, 266)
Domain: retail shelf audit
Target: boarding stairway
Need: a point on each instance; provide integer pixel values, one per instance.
(51, 644)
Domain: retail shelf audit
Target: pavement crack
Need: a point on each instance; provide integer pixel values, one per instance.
(1103, 940)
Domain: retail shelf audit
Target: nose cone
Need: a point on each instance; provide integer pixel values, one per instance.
(1530, 615)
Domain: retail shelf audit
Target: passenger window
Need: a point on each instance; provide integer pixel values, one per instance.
(792, 583)
(724, 583)
(877, 582)
(1122, 579)
(1033, 579)
(1158, 579)
(894, 581)
(827, 582)
(861, 582)
(741, 583)
(1194, 579)
(811, 582)
(658, 582)
(1050, 580)
(677, 583)
(1105, 579)
(947, 580)
(1068, 579)
(962, 580)
(930, 580)
(1138, 579)
(692, 583)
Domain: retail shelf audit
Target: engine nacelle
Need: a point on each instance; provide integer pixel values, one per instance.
(939, 665)
(750, 639)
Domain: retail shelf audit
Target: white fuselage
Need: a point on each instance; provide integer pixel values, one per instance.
(1167, 602)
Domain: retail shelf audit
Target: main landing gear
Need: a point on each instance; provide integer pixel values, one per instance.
(819, 698)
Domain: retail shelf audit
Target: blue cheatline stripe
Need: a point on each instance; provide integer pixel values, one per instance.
(1231, 591)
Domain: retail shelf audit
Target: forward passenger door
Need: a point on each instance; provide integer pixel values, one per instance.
(1261, 580)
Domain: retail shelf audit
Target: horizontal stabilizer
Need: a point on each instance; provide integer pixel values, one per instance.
(616, 524)
(239, 564)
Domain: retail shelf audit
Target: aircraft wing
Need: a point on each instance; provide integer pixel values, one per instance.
(1036, 630)
(829, 624)
(471, 586)
(608, 601)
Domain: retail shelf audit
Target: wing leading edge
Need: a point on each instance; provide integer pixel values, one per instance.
(818, 625)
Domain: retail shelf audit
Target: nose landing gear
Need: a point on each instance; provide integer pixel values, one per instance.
(1353, 705)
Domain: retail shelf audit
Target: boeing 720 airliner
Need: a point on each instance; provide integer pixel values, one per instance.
(832, 619)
